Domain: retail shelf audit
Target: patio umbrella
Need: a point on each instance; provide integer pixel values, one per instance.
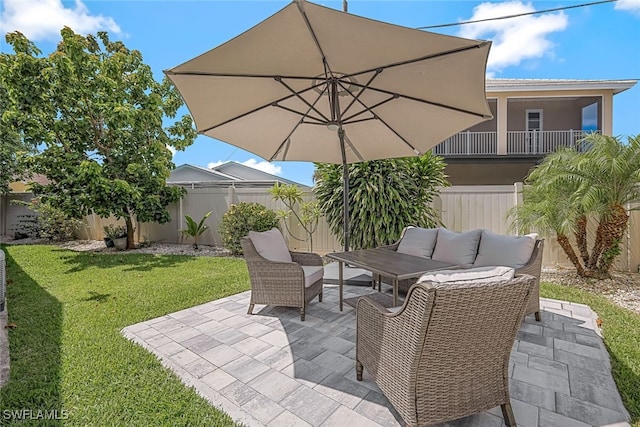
(312, 83)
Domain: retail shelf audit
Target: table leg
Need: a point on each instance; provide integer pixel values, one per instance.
(395, 292)
(340, 280)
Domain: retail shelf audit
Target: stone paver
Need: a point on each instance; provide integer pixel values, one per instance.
(271, 369)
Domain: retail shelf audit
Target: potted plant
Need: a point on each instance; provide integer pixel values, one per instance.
(115, 235)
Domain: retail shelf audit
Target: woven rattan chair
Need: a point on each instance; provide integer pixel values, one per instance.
(434, 359)
(533, 268)
(282, 283)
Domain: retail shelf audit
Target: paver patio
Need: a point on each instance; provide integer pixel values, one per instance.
(272, 369)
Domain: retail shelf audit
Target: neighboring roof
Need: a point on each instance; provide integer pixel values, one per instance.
(511, 85)
(23, 185)
(224, 174)
(247, 173)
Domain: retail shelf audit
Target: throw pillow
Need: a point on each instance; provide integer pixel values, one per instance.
(418, 241)
(271, 245)
(457, 248)
(499, 249)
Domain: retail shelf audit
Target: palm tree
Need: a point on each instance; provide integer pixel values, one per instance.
(569, 187)
(195, 229)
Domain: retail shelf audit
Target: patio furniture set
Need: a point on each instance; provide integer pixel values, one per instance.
(464, 291)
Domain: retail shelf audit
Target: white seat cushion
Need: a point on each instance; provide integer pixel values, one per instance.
(499, 249)
(312, 273)
(457, 248)
(476, 274)
(418, 241)
(271, 245)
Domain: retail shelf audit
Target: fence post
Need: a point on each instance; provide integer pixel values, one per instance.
(518, 200)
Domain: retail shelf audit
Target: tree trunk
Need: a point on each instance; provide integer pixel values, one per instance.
(613, 230)
(129, 223)
(564, 243)
(598, 246)
(581, 238)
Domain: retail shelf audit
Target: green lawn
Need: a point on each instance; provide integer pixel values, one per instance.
(621, 331)
(67, 353)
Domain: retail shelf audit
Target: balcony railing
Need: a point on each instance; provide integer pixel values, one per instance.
(534, 143)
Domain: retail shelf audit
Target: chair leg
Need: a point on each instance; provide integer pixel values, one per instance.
(320, 297)
(537, 314)
(359, 368)
(302, 313)
(250, 311)
(507, 414)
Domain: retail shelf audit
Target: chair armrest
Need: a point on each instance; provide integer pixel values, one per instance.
(306, 258)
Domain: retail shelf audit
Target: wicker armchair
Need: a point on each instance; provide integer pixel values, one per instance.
(283, 283)
(533, 268)
(435, 361)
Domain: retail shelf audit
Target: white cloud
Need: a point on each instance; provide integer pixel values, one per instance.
(172, 149)
(43, 19)
(632, 6)
(264, 166)
(515, 39)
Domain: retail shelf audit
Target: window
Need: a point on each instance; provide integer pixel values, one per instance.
(534, 120)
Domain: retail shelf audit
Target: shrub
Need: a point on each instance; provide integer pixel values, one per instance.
(48, 221)
(242, 218)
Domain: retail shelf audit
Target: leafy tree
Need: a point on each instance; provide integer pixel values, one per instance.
(384, 197)
(98, 116)
(306, 213)
(569, 188)
(195, 229)
(19, 75)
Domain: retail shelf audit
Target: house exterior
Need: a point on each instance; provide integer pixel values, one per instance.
(532, 118)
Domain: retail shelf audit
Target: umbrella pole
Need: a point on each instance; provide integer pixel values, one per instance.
(345, 191)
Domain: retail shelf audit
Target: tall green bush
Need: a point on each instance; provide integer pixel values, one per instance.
(242, 218)
(384, 197)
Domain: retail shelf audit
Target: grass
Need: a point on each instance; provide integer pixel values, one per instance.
(621, 331)
(67, 353)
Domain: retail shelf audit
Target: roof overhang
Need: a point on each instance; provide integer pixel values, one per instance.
(515, 85)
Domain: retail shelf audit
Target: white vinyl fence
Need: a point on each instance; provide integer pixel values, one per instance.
(462, 208)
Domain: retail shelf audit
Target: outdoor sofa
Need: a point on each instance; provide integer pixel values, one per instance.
(474, 250)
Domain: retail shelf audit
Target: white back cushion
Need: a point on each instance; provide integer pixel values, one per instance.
(456, 248)
(418, 241)
(476, 274)
(271, 245)
(499, 249)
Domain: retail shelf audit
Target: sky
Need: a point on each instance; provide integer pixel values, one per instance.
(594, 42)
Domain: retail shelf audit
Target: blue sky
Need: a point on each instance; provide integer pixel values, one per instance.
(595, 42)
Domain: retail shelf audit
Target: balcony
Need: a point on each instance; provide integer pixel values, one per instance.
(519, 143)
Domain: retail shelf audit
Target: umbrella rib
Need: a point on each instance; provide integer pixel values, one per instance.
(357, 96)
(297, 95)
(270, 104)
(369, 109)
(319, 121)
(422, 58)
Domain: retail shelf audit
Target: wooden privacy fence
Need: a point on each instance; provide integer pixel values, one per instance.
(462, 208)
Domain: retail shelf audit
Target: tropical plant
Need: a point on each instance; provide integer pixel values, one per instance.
(98, 115)
(242, 218)
(570, 188)
(307, 214)
(195, 229)
(385, 196)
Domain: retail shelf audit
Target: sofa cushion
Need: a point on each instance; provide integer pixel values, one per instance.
(456, 248)
(312, 273)
(271, 245)
(499, 249)
(418, 241)
(476, 274)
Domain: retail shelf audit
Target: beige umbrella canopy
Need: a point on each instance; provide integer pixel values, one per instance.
(312, 83)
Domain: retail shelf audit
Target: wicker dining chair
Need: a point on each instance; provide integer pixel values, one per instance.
(283, 283)
(445, 353)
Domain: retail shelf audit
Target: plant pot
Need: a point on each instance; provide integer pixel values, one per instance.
(108, 241)
(120, 243)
